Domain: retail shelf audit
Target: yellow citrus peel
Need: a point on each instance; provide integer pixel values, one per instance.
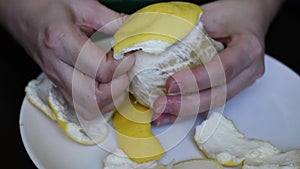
(166, 21)
(42, 94)
(135, 138)
(37, 92)
(234, 147)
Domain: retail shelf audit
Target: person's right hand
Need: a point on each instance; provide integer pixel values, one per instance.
(241, 26)
(55, 34)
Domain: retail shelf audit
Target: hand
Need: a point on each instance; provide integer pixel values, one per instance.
(241, 26)
(55, 34)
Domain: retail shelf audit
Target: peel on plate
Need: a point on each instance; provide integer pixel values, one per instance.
(118, 159)
(44, 96)
(219, 139)
(201, 163)
(284, 160)
(37, 93)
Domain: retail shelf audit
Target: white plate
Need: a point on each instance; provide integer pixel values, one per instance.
(269, 110)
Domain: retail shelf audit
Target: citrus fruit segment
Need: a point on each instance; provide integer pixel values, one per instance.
(165, 22)
(198, 164)
(37, 92)
(219, 139)
(134, 135)
(284, 160)
(118, 159)
(83, 132)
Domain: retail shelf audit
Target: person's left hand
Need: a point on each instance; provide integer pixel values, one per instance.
(241, 26)
(56, 34)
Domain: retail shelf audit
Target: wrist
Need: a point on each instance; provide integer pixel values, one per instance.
(268, 10)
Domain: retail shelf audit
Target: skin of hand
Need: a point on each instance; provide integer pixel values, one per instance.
(55, 33)
(241, 26)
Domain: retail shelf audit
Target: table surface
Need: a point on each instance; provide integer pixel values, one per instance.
(17, 69)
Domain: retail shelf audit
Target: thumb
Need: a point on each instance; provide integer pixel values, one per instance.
(98, 17)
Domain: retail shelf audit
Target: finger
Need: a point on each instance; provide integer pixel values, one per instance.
(228, 64)
(97, 16)
(245, 78)
(113, 105)
(214, 22)
(190, 105)
(107, 93)
(78, 89)
(178, 105)
(110, 68)
(87, 115)
(210, 98)
(75, 49)
(101, 65)
(164, 118)
(173, 104)
(96, 97)
(62, 78)
(87, 30)
(82, 89)
(66, 40)
(76, 107)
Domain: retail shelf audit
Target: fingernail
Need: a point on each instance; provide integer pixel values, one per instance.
(161, 120)
(174, 88)
(159, 109)
(160, 104)
(165, 120)
(155, 116)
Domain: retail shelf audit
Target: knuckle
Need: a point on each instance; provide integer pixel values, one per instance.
(50, 68)
(104, 77)
(53, 36)
(260, 70)
(102, 98)
(229, 71)
(218, 97)
(59, 39)
(105, 72)
(257, 47)
(88, 116)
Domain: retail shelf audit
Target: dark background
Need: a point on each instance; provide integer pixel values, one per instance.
(282, 42)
